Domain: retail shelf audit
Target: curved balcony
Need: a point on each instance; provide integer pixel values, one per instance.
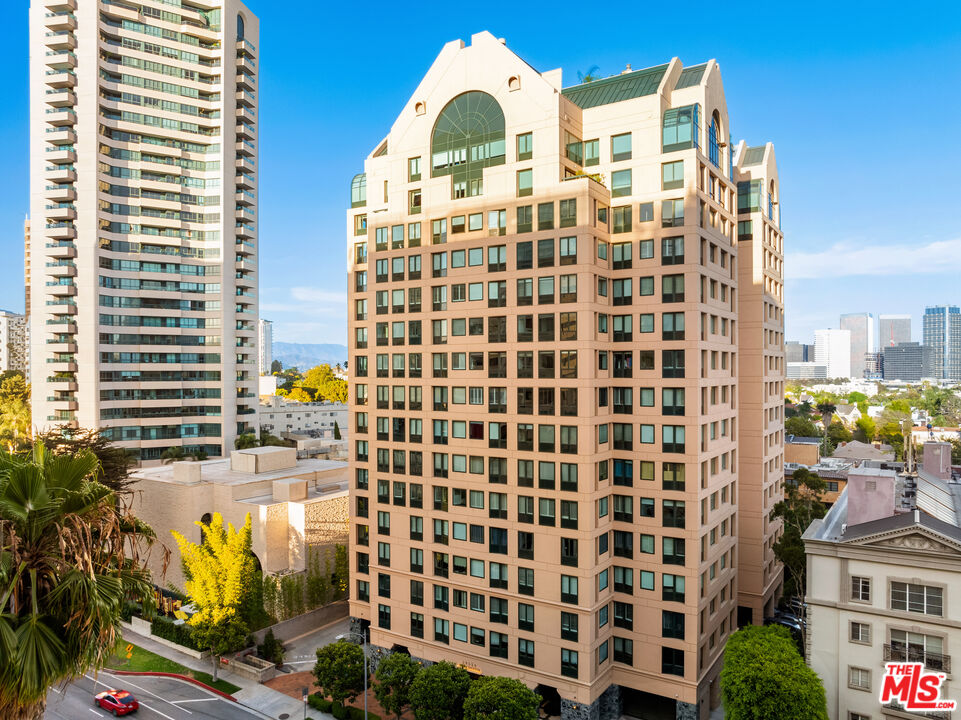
(61, 40)
(56, 212)
(60, 5)
(60, 175)
(60, 116)
(60, 21)
(60, 155)
(60, 97)
(61, 250)
(62, 193)
(61, 60)
(60, 136)
(60, 78)
(60, 231)
(245, 114)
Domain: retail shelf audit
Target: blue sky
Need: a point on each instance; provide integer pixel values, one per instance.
(860, 100)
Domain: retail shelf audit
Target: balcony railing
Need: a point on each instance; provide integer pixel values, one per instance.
(931, 660)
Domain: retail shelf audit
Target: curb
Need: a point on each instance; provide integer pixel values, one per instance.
(177, 676)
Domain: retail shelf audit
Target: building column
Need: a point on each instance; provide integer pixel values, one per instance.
(606, 707)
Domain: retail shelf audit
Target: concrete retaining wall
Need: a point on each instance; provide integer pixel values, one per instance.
(297, 626)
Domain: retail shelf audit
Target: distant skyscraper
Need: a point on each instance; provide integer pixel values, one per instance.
(266, 348)
(795, 351)
(942, 333)
(143, 240)
(894, 330)
(907, 361)
(861, 327)
(13, 342)
(833, 348)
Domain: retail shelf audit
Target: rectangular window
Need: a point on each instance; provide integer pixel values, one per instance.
(545, 216)
(861, 589)
(916, 598)
(680, 129)
(592, 152)
(525, 183)
(672, 213)
(621, 147)
(672, 175)
(861, 633)
(859, 678)
(620, 183)
(568, 213)
(525, 218)
(525, 146)
(621, 219)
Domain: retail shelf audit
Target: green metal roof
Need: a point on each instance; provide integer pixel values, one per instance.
(691, 76)
(615, 89)
(753, 156)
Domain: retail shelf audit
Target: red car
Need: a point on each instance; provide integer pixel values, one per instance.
(118, 702)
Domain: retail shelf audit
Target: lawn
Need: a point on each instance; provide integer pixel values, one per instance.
(145, 661)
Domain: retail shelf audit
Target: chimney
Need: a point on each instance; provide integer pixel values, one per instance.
(937, 460)
(626, 70)
(871, 494)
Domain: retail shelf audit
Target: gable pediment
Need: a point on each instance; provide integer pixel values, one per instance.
(914, 539)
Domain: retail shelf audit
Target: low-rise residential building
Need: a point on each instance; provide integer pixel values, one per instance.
(314, 419)
(884, 575)
(802, 450)
(293, 504)
(832, 471)
(848, 414)
(856, 450)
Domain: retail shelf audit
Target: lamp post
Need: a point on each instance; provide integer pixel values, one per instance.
(362, 636)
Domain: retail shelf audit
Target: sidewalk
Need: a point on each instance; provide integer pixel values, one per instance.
(260, 698)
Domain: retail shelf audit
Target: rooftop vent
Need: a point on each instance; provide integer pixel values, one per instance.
(626, 70)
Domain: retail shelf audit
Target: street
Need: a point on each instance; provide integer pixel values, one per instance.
(159, 697)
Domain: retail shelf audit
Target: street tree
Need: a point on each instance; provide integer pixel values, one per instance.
(439, 691)
(15, 418)
(865, 429)
(72, 556)
(339, 671)
(799, 508)
(220, 572)
(395, 675)
(500, 698)
(764, 677)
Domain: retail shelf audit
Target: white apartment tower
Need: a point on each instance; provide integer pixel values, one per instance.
(833, 348)
(266, 347)
(143, 201)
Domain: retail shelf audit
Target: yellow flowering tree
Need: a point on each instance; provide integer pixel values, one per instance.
(220, 571)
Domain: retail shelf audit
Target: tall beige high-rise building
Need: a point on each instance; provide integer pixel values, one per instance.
(548, 314)
(144, 243)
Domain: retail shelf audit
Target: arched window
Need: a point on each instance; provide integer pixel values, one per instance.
(358, 191)
(714, 140)
(468, 137)
(205, 520)
(240, 26)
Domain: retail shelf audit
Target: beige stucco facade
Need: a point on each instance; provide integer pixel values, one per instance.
(293, 504)
(858, 615)
(544, 357)
(143, 196)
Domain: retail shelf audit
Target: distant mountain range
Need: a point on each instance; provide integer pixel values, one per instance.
(307, 355)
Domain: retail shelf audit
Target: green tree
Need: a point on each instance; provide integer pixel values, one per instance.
(268, 440)
(439, 691)
(865, 429)
(341, 569)
(276, 367)
(114, 462)
(246, 441)
(220, 571)
(764, 677)
(325, 384)
(800, 426)
(339, 671)
(589, 76)
(500, 698)
(337, 431)
(955, 452)
(395, 675)
(15, 419)
(837, 434)
(72, 556)
(799, 508)
(856, 398)
(890, 432)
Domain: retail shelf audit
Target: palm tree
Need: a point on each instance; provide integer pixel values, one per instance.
(71, 557)
(589, 76)
(246, 441)
(173, 454)
(826, 410)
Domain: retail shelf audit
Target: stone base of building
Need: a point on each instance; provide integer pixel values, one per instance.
(606, 707)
